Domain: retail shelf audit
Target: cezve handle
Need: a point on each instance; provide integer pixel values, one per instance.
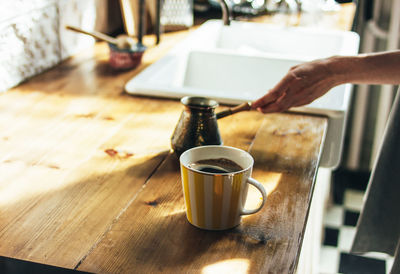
(233, 110)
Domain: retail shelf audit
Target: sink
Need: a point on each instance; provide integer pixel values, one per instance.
(241, 62)
(227, 77)
(248, 37)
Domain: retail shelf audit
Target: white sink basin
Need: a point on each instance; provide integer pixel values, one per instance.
(243, 61)
(247, 37)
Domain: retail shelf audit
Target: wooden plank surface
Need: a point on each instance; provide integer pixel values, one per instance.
(65, 179)
(75, 152)
(153, 235)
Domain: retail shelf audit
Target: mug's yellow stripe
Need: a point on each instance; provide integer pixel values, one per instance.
(218, 192)
(233, 209)
(185, 181)
(199, 186)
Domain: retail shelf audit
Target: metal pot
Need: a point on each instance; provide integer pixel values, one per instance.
(197, 125)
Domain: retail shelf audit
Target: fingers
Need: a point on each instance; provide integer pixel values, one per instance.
(265, 100)
(281, 104)
(293, 98)
(281, 97)
(275, 93)
(300, 86)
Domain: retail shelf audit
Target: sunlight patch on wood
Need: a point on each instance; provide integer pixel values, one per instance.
(228, 266)
(254, 197)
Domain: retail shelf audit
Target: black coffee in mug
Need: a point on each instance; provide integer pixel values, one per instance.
(219, 165)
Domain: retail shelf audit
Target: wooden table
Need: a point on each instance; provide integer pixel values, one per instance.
(88, 181)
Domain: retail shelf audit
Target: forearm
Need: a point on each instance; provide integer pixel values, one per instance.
(309, 81)
(374, 68)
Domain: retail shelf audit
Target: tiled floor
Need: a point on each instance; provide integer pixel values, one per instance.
(340, 222)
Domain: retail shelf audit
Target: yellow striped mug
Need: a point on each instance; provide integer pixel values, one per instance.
(215, 201)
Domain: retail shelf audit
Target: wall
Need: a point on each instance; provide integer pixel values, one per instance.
(33, 37)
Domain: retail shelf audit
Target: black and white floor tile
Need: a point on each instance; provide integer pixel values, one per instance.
(340, 222)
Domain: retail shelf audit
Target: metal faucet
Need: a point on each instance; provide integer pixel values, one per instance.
(226, 12)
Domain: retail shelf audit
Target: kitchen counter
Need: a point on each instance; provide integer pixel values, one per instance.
(88, 181)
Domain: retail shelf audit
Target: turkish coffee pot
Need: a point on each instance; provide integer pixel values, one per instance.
(197, 125)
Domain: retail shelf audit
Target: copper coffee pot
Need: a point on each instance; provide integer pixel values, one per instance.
(197, 125)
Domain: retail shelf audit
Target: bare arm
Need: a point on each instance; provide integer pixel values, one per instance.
(306, 82)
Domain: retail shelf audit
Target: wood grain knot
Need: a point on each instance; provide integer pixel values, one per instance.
(86, 115)
(279, 132)
(153, 203)
(118, 153)
(254, 238)
(108, 118)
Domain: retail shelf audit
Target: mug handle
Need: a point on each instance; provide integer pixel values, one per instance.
(260, 187)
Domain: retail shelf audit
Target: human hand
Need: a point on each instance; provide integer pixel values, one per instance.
(300, 86)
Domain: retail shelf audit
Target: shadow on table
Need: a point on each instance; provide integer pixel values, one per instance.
(178, 246)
